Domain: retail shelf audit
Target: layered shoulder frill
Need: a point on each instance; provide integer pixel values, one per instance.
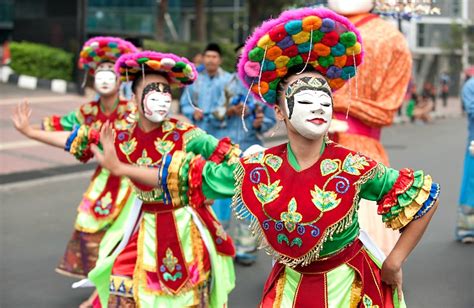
(412, 196)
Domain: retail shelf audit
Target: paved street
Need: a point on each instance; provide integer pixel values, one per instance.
(36, 221)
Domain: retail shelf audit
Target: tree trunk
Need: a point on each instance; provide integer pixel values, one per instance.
(200, 21)
(160, 21)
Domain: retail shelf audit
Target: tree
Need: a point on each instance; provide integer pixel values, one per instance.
(200, 21)
(160, 22)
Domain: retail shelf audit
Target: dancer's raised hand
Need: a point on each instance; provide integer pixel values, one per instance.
(108, 157)
(21, 118)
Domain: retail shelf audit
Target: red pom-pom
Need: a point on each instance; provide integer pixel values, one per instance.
(321, 69)
(330, 39)
(103, 44)
(350, 59)
(278, 33)
(313, 56)
(291, 51)
(269, 76)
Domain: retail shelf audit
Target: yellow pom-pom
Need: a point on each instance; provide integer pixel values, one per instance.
(354, 50)
(265, 41)
(301, 37)
(281, 61)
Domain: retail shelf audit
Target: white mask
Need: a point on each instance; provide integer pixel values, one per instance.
(105, 82)
(156, 101)
(351, 7)
(312, 112)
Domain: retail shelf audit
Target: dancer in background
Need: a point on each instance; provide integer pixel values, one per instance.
(372, 101)
(107, 196)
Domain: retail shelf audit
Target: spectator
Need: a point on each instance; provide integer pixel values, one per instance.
(197, 60)
(258, 119)
(444, 83)
(423, 108)
(206, 92)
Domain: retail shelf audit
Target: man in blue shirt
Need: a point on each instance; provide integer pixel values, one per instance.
(206, 94)
(258, 119)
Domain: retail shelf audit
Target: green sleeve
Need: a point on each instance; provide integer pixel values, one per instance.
(70, 120)
(218, 180)
(380, 184)
(199, 142)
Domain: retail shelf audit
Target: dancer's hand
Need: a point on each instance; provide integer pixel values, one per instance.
(392, 275)
(21, 118)
(108, 158)
(471, 148)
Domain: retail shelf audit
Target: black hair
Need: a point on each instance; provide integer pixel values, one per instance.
(139, 77)
(213, 47)
(240, 45)
(293, 71)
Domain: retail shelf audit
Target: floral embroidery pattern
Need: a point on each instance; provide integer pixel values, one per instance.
(220, 232)
(329, 166)
(171, 264)
(104, 205)
(164, 146)
(167, 126)
(182, 126)
(324, 200)
(144, 160)
(128, 147)
(354, 163)
(291, 217)
(368, 303)
(273, 161)
(89, 109)
(267, 193)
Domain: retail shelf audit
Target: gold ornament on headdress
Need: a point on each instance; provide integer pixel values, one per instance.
(313, 82)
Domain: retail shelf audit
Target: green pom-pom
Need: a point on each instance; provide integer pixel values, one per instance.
(295, 61)
(113, 45)
(326, 61)
(270, 96)
(317, 36)
(180, 65)
(348, 39)
(256, 54)
(274, 84)
(142, 60)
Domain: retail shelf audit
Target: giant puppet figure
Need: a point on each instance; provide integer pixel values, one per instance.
(372, 100)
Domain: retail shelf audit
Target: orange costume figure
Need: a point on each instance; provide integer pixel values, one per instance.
(373, 99)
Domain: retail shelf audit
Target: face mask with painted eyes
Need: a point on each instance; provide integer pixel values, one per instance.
(309, 106)
(156, 101)
(105, 82)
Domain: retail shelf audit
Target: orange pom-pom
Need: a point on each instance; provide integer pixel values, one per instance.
(311, 23)
(336, 83)
(340, 61)
(282, 71)
(322, 50)
(263, 87)
(274, 53)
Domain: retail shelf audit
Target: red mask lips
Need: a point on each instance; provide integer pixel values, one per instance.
(317, 121)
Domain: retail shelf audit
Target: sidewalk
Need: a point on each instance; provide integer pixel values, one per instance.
(19, 154)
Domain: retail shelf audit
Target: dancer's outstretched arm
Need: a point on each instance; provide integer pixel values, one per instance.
(21, 121)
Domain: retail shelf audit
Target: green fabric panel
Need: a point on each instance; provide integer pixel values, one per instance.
(69, 120)
(377, 187)
(218, 180)
(342, 239)
(292, 279)
(339, 285)
(202, 143)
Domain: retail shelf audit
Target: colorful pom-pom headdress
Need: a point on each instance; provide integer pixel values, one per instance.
(328, 42)
(180, 71)
(103, 49)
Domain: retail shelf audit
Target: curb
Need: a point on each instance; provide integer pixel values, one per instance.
(43, 173)
(7, 75)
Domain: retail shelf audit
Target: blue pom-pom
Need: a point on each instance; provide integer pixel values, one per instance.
(334, 72)
(348, 72)
(304, 48)
(338, 50)
(270, 96)
(294, 27)
(269, 66)
(328, 25)
(285, 43)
